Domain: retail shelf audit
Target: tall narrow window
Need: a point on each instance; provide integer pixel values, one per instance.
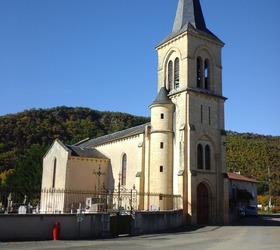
(176, 73)
(170, 75)
(162, 116)
(206, 74)
(207, 157)
(161, 145)
(198, 72)
(209, 115)
(54, 173)
(199, 156)
(161, 169)
(201, 113)
(124, 164)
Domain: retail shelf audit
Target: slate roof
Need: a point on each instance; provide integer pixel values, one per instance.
(239, 177)
(114, 136)
(85, 152)
(189, 17)
(162, 97)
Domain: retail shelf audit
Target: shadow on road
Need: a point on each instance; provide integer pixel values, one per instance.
(271, 220)
(268, 220)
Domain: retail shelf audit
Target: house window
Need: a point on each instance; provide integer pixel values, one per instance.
(161, 169)
(199, 156)
(161, 145)
(207, 157)
(54, 173)
(170, 75)
(176, 73)
(124, 165)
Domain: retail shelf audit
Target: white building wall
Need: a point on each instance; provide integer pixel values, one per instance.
(115, 150)
(54, 175)
(60, 153)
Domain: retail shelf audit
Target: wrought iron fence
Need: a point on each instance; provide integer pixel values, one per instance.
(11, 200)
(119, 200)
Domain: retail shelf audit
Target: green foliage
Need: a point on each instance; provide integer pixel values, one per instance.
(256, 156)
(19, 131)
(27, 175)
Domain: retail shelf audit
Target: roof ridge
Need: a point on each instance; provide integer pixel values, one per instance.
(114, 136)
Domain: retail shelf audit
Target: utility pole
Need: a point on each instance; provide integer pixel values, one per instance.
(269, 191)
(119, 192)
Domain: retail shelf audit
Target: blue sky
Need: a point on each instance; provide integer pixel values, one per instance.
(101, 54)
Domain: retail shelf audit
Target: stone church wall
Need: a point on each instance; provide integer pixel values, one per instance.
(115, 151)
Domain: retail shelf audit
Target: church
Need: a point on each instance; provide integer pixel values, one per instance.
(181, 153)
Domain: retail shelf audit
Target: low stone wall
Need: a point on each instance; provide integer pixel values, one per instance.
(155, 222)
(28, 227)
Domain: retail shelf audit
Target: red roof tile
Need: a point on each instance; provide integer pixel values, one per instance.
(239, 177)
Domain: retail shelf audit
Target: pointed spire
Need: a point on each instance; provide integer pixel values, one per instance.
(189, 17)
(189, 11)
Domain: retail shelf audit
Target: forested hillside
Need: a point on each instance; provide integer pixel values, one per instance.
(25, 137)
(256, 156)
(19, 131)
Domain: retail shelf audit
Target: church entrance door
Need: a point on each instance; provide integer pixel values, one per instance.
(202, 204)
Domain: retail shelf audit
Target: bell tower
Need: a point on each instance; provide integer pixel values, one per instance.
(190, 69)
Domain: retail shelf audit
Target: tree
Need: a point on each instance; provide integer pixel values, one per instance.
(26, 177)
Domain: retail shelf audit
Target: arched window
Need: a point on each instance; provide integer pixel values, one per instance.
(176, 73)
(202, 73)
(198, 72)
(199, 156)
(207, 157)
(54, 173)
(206, 74)
(124, 163)
(170, 75)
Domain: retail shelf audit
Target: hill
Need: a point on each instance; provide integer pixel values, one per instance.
(18, 132)
(255, 156)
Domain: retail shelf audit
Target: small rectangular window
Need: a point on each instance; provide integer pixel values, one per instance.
(161, 116)
(161, 169)
(161, 145)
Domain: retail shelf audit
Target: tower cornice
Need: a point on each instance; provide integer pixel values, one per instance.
(196, 34)
(198, 91)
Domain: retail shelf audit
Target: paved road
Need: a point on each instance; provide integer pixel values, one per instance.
(247, 233)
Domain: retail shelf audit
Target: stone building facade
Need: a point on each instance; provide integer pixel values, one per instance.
(181, 151)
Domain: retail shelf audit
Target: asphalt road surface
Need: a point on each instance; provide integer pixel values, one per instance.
(247, 233)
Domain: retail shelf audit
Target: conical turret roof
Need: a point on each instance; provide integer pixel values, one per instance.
(162, 97)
